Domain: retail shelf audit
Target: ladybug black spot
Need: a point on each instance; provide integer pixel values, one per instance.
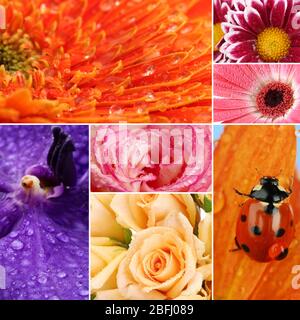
(243, 218)
(245, 248)
(283, 254)
(256, 230)
(280, 232)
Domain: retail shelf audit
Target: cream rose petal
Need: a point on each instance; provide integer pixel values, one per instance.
(113, 294)
(103, 221)
(189, 203)
(97, 264)
(205, 232)
(161, 206)
(128, 213)
(105, 275)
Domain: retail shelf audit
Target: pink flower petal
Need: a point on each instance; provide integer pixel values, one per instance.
(278, 14)
(240, 49)
(251, 57)
(231, 104)
(254, 20)
(238, 36)
(238, 115)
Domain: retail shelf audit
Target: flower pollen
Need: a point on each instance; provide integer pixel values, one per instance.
(17, 52)
(273, 44)
(218, 35)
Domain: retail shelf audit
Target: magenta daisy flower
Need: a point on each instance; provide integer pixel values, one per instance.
(262, 31)
(257, 93)
(221, 7)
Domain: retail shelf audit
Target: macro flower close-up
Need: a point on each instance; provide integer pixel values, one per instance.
(151, 158)
(105, 61)
(257, 93)
(258, 31)
(44, 213)
(166, 259)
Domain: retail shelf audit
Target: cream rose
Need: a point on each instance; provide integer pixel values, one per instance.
(141, 211)
(103, 220)
(165, 262)
(106, 255)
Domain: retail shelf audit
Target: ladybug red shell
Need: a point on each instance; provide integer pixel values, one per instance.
(265, 226)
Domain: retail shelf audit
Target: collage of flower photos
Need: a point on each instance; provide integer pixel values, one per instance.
(149, 150)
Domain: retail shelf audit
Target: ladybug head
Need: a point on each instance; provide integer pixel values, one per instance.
(265, 181)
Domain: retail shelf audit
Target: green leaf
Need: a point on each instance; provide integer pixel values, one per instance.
(127, 236)
(207, 205)
(93, 296)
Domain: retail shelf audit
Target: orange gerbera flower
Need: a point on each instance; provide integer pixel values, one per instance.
(240, 154)
(106, 61)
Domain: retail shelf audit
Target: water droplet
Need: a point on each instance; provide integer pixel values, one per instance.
(106, 5)
(42, 279)
(30, 232)
(83, 293)
(62, 237)
(186, 30)
(149, 96)
(25, 263)
(132, 20)
(14, 234)
(176, 60)
(172, 28)
(17, 245)
(149, 71)
(115, 110)
(61, 274)
(219, 201)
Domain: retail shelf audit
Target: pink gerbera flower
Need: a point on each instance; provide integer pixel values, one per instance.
(221, 7)
(257, 93)
(262, 31)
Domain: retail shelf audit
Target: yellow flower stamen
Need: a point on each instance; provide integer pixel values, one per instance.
(273, 44)
(218, 35)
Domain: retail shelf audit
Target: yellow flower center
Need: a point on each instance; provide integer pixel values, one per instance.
(218, 35)
(273, 44)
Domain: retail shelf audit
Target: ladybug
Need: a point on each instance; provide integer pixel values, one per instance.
(265, 226)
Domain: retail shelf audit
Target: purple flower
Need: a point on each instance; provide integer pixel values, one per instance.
(43, 212)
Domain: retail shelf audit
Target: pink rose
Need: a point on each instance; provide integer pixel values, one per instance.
(151, 158)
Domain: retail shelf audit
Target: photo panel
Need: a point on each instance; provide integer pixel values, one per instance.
(44, 212)
(256, 212)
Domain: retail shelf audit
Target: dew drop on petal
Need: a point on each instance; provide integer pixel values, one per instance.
(17, 245)
(106, 5)
(62, 237)
(149, 96)
(25, 263)
(115, 110)
(61, 274)
(14, 234)
(149, 71)
(219, 201)
(30, 232)
(42, 279)
(83, 293)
